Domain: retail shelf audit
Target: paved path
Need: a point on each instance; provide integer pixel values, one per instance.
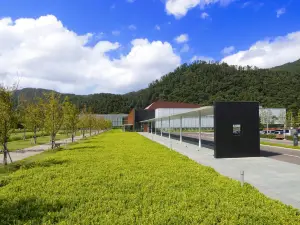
(274, 152)
(276, 179)
(27, 152)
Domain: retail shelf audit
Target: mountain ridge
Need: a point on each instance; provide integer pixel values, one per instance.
(200, 83)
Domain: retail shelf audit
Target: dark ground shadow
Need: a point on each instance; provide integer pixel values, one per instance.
(210, 144)
(31, 210)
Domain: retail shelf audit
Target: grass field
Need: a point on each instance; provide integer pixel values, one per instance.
(124, 178)
(280, 145)
(20, 144)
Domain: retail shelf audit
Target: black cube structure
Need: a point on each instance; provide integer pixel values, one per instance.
(236, 132)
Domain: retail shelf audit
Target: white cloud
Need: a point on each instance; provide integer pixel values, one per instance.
(269, 53)
(182, 38)
(157, 27)
(116, 32)
(280, 12)
(179, 8)
(185, 48)
(130, 1)
(204, 15)
(45, 54)
(132, 27)
(228, 50)
(201, 58)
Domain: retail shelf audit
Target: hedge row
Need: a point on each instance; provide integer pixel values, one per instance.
(124, 178)
(273, 136)
(28, 135)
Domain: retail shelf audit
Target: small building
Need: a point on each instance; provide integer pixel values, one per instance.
(117, 120)
(155, 110)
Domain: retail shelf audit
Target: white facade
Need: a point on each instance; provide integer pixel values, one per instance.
(267, 115)
(193, 123)
(116, 119)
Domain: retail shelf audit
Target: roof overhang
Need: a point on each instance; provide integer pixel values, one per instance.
(203, 111)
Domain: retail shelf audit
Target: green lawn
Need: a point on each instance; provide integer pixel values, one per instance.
(280, 145)
(124, 178)
(20, 144)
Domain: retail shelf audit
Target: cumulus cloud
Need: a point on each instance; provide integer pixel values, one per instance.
(179, 8)
(182, 38)
(228, 50)
(268, 53)
(157, 27)
(46, 54)
(280, 12)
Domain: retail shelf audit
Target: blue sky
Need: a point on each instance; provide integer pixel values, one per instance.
(222, 30)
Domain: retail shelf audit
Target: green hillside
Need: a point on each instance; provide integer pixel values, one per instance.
(201, 83)
(293, 67)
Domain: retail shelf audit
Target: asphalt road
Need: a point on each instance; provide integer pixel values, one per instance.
(277, 153)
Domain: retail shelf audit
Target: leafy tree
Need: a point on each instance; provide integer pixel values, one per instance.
(290, 119)
(90, 120)
(8, 118)
(54, 115)
(83, 121)
(34, 116)
(71, 117)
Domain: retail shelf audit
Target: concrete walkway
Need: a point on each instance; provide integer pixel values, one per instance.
(276, 179)
(34, 150)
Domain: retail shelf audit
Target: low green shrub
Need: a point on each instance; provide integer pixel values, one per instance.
(270, 136)
(124, 178)
(19, 136)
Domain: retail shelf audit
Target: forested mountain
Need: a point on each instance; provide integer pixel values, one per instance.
(201, 83)
(293, 67)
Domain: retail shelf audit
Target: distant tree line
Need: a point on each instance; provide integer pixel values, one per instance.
(199, 82)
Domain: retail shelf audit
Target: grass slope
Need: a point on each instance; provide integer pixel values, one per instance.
(124, 178)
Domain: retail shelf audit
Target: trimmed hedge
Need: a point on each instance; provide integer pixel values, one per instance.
(273, 136)
(124, 178)
(28, 135)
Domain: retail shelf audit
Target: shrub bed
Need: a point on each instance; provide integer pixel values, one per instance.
(273, 136)
(124, 178)
(19, 136)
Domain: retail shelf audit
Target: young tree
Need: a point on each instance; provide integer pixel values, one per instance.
(7, 118)
(34, 116)
(54, 115)
(71, 117)
(100, 123)
(83, 121)
(290, 119)
(89, 120)
(20, 114)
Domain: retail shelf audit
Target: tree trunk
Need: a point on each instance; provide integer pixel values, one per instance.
(72, 137)
(5, 154)
(52, 141)
(83, 133)
(90, 131)
(24, 133)
(34, 137)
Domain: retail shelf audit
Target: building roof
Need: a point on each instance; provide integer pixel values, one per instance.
(163, 104)
(194, 113)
